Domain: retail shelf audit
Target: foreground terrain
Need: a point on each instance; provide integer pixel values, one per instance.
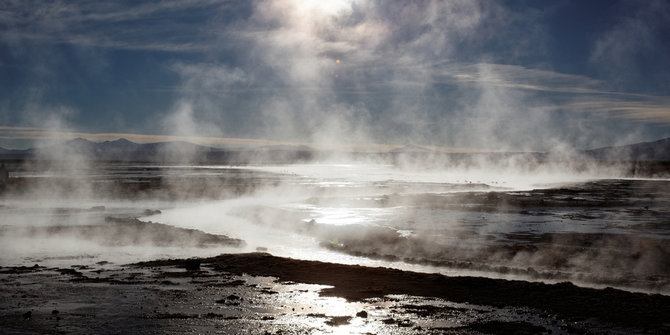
(132, 248)
(260, 293)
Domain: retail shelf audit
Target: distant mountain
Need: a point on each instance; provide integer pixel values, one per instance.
(170, 152)
(4, 151)
(13, 153)
(284, 147)
(160, 152)
(123, 150)
(410, 148)
(645, 151)
(121, 144)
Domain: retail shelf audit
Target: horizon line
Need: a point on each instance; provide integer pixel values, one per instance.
(35, 135)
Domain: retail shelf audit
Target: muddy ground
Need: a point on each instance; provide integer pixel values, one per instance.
(263, 294)
(623, 243)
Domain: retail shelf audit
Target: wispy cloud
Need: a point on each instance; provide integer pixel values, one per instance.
(638, 108)
(405, 66)
(115, 25)
(573, 93)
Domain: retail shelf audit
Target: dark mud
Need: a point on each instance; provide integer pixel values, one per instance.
(262, 294)
(612, 306)
(607, 232)
(122, 231)
(614, 194)
(137, 182)
(627, 261)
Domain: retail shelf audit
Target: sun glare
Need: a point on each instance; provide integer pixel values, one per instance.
(329, 7)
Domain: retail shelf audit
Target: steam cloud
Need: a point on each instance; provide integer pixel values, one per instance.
(366, 71)
(446, 73)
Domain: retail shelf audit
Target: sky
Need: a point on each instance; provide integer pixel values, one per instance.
(494, 75)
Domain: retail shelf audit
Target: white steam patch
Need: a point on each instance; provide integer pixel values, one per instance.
(377, 72)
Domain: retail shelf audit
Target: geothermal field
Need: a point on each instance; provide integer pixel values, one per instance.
(334, 167)
(333, 247)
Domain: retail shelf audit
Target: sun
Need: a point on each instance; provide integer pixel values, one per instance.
(328, 7)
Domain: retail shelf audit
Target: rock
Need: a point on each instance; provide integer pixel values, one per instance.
(71, 272)
(336, 321)
(362, 314)
(28, 315)
(231, 300)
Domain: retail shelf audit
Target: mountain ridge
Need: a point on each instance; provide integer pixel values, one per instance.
(123, 149)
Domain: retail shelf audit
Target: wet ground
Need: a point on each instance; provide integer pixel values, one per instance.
(605, 232)
(216, 295)
(512, 252)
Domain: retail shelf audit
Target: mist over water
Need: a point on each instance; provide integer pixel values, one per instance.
(548, 224)
(440, 219)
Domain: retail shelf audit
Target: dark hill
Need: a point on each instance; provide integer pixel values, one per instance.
(646, 151)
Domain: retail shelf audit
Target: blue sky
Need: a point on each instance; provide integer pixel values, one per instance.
(503, 75)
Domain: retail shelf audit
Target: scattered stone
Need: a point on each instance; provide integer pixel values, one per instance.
(399, 323)
(71, 272)
(231, 300)
(338, 321)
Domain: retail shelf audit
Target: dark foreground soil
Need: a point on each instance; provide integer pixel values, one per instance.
(259, 293)
(357, 282)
